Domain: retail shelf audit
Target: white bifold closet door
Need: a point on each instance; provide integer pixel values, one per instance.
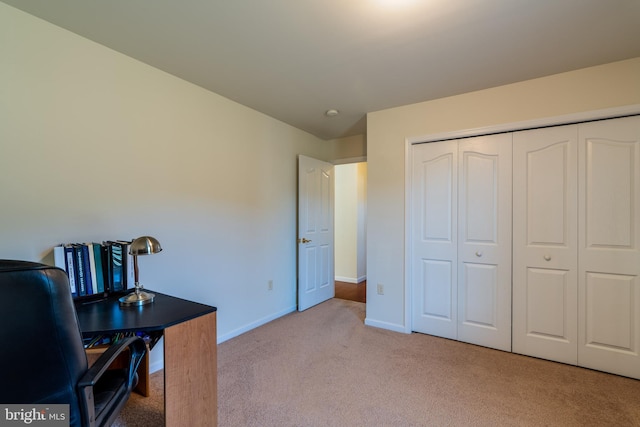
(609, 246)
(545, 243)
(576, 287)
(461, 240)
(434, 223)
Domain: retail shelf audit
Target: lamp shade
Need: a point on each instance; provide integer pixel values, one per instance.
(145, 245)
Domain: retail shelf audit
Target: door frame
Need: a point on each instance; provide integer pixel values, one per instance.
(608, 113)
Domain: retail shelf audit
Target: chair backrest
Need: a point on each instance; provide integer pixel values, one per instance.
(42, 357)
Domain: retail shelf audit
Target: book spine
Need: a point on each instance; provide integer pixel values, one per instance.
(107, 267)
(92, 268)
(130, 275)
(127, 265)
(59, 257)
(81, 274)
(87, 268)
(97, 258)
(71, 270)
(117, 258)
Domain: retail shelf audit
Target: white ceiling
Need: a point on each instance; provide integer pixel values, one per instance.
(295, 59)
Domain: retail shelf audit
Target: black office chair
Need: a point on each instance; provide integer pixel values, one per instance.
(42, 358)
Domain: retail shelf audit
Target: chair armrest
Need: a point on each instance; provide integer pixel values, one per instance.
(136, 346)
(137, 349)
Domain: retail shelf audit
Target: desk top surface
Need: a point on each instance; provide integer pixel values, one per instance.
(107, 316)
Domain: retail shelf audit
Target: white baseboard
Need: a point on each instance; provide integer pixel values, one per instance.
(386, 325)
(253, 325)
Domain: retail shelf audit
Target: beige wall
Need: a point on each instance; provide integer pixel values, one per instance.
(347, 150)
(346, 222)
(607, 86)
(350, 220)
(362, 220)
(95, 145)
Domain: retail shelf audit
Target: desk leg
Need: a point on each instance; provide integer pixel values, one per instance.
(190, 373)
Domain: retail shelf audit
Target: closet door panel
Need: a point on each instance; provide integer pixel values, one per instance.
(610, 311)
(480, 287)
(547, 300)
(434, 226)
(609, 241)
(484, 241)
(545, 243)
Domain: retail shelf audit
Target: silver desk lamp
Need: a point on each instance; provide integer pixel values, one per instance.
(145, 245)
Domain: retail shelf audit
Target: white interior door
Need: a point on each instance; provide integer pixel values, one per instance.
(609, 246)
(484, 241)
(315, 232)
(434, 224)
(545, 239)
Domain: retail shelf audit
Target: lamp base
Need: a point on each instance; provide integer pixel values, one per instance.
(137, 298)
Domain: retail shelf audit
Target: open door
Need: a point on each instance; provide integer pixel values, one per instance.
(315, 232)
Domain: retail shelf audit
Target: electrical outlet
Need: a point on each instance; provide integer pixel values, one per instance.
(380, 289)
(270, 285)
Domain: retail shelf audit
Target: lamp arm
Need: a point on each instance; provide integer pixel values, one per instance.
(135, 272)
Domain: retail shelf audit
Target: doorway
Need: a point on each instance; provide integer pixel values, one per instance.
(350, 231)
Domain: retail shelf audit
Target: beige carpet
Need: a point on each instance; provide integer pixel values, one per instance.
(323, 367)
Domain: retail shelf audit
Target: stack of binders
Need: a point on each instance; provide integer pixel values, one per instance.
(96, 269)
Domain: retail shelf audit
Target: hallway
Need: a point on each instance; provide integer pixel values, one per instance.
(352, 291)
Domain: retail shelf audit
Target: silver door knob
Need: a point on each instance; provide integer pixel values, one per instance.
(478, 254)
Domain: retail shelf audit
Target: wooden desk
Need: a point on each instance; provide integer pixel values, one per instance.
(190, 358)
